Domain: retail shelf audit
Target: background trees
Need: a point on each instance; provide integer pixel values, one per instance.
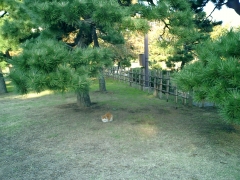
(187, 26)
(183, 24)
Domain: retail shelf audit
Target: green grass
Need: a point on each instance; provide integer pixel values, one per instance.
(123, 95)
(46, 136)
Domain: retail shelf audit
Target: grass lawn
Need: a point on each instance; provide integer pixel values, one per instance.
(46, 136)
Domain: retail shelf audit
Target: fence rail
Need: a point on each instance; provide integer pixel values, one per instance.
(159, 83)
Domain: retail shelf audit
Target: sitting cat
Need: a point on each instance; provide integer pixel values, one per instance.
(107, 117)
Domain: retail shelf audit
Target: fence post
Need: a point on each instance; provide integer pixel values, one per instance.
(119, 74)
(141, 79)
(114, 73)
(106, 72)
(176, 95)
(149, 81)
(190, 98)
(161, 84)
(124, 75)
(155, 86)
(185, 98)
(127, 75)
(167, 84)
(130, 76)
(136, 76)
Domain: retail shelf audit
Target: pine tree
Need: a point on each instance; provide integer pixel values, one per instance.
(48, 64)
(184, 25)
(66, 54)
(215, 77)
(188, 26)
(15, 28)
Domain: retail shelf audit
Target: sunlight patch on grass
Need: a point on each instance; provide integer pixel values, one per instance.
(34, 95)
(147, 130)
(27, 96)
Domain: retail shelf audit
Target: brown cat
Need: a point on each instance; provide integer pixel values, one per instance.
(107, 117)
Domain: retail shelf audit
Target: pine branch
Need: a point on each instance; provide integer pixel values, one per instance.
(164, 29)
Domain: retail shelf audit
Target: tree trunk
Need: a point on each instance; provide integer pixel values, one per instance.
(3, 88)
(83, 99)
(102, 83)
(95, 37)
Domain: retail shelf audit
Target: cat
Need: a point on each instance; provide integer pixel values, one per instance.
(107, 117)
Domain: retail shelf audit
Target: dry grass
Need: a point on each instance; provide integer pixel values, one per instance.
(49, 137)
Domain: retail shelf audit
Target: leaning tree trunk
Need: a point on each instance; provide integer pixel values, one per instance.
(3, 88)
(83, 99)
(82, 40)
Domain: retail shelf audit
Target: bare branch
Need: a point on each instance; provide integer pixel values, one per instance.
(211, 12)
(165, 26)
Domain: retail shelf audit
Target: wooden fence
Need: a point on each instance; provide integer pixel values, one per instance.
(159, 83)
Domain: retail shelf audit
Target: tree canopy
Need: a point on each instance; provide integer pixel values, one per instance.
(215, 77)
(57, 42)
